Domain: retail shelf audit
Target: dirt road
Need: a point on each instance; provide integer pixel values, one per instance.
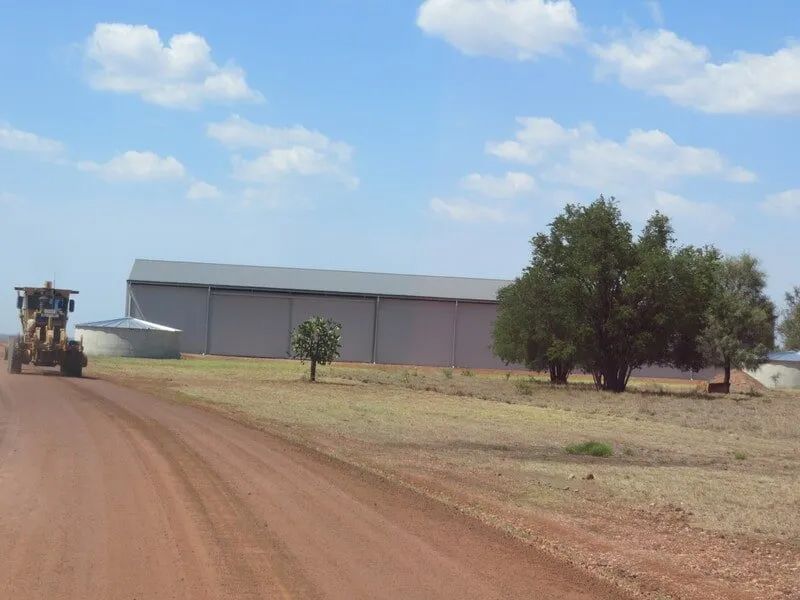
(109, 493)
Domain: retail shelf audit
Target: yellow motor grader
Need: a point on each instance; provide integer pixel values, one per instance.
(43, 313)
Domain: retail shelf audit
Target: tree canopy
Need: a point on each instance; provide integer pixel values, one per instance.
(741, 318)
(789, 327)
(597, 298)
(317, 340)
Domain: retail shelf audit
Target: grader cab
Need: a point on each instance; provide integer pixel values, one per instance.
(43, 314)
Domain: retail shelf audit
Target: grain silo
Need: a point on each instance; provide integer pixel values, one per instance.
(129, 337)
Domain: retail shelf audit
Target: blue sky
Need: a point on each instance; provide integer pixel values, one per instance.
(432, 137)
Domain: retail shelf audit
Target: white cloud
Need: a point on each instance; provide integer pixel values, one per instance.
(510, 185)
(200, 190)
(284, 152)
(516, 29)
(25, 141)
(181, 74)
(661, 63)
(580, 157)
(238, 133)
(136, 166)
(784, 204)
(706, 215)
(463, 210)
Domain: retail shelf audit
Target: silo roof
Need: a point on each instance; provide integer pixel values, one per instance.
(789, 356)
(126, 323)
(314, 280)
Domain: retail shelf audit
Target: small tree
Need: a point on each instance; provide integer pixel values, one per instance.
(790, 325)
(317, 340)
(740, 328)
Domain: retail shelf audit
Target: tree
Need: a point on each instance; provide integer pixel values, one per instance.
(789, 327)
(740, 328)
(317, 340)
(532, 328)
(613, 302)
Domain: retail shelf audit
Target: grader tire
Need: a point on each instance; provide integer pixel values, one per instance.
(13, 358)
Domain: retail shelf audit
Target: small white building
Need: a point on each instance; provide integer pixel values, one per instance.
(129, 337)
(781, 371)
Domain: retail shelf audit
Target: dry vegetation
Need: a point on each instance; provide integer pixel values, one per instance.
(700, 498)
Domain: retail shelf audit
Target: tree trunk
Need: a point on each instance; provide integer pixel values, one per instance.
(313, 370)
(614, 378)
(727, 372)
(558, 373)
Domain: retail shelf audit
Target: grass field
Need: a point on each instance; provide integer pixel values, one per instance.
(662, 489)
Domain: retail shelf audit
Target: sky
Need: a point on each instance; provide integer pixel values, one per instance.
(430, 137)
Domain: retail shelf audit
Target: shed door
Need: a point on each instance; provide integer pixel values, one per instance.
(249, 325)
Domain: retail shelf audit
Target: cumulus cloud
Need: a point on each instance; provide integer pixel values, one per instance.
(200, 190)
(783, 204)
(25, 141)
(463, 210)
(581, 157)
(661, 63)
(706, 214)
(136, 166)
(180, 74)
(283, 152)
(514, 29)
(508, 186)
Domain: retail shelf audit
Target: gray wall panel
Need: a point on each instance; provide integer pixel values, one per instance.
(474, 336)
(415, 332)
(183, 308)
(249, 325)
(356, 316)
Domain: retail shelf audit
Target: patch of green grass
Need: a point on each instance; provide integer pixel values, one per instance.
(739, 455)
(591, 449)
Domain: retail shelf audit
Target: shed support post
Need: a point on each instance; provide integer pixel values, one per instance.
(375, 331)
(208, 319)
(455, 328)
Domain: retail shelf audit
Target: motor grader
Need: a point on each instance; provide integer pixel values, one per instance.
(43, 314)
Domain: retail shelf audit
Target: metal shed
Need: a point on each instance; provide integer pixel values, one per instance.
(129, 337)
(386, 318)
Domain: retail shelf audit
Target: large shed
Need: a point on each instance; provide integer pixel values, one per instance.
(386, 318)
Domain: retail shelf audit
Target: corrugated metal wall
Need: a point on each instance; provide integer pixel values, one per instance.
(249, 325)
(409, 331)
(356, 315)
(415, 332)
(474, 336)
(183, 308)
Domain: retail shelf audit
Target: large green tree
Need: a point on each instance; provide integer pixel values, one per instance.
(741, 318)
(789, 327)
(317, 340)
(620, 302)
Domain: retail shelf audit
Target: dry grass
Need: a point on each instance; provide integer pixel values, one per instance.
(494, 443)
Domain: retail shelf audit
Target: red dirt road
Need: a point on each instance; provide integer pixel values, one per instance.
(109, 493)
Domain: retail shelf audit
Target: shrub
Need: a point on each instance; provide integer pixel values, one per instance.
(591, 448)
(739, 455)
(448, 373)
(466, 373)
(524, 387)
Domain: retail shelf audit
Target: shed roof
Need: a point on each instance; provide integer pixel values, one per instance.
(788, 356)
(125, 323)
(315, 280)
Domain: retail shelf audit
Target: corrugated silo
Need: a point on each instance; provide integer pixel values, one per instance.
(129, 337)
